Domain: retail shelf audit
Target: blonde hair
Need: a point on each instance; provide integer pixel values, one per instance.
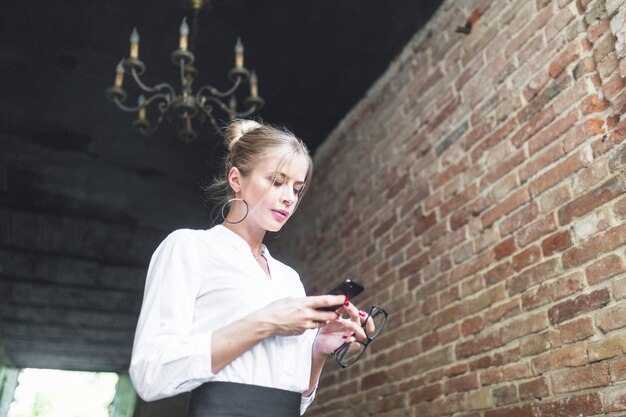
(249, 141)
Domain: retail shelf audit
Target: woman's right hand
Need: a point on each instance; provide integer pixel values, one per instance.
(293, 316)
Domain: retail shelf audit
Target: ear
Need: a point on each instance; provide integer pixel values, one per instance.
(234, 179)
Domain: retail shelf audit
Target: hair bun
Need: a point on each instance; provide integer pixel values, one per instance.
(237, 129)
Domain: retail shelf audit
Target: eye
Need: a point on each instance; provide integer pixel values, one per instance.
(297, 191)
(278, 183)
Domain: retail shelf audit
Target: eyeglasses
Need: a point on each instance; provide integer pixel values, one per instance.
(350, 352)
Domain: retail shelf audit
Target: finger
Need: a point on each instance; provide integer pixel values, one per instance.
(369, 322)
(317, 301)
(349, 308)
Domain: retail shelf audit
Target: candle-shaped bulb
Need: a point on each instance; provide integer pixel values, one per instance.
(134, 44)
(184, 33)
(142, 109)
(239, 54)
(254, 87)
(119, 74)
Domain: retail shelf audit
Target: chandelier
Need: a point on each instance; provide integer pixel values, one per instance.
(185, 105)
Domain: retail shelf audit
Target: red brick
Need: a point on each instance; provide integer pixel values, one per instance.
(520, 218)
(478, 345)
(506, 206)
(493, 139)
(538, 122)
(577, 330)
(554, 198)
(517, 411)
(549, 134)
(619, 288)
(505, 248)
(532, 276)
(620, 208)
(535, 85)
(423, 223)
(540, 161)
(536, 297)
(558, 173)
(502, 311)
(461, 383)
(576, 379)
(580, 406)
(613, 85)
(472, 325)
(498, 273)
(505, 395)
(556, 243)
(535, 344)
(427, 393)
(523, 326)
(472, 285)
(617, 369)
(591, 176)
(581, 133)
(536, 230)
(607, 347)
(536, 388)
(581, 304)
(565, 286)
(597, 197)
(450, 295)
(605, 268)
(374, 379)
(527, 257)
(564, 58)
(472, 210)
(605, 242)
(571, 355)
(614, 398)
(458, 200)
(502, 169)
(612, 318)
(450, 172)
(504, 374)
(594, 104)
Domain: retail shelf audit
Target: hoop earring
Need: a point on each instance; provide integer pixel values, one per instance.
(230, 201)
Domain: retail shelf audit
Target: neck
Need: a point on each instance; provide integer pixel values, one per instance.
(254, 238)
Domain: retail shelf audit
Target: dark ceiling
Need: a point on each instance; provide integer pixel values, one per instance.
(84, 200)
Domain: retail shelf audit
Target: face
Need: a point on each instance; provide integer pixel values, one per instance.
(271, 196)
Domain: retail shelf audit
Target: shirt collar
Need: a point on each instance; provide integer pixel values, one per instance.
(239, 242)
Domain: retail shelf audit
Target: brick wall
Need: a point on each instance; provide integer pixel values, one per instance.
(478, 191)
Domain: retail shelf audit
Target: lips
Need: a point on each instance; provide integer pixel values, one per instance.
(280, 215)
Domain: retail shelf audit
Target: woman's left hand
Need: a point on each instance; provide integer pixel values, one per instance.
(346, 328)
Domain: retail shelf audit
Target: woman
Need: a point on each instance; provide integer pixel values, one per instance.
(224, 319)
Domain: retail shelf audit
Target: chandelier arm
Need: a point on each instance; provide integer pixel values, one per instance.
(154, 89)
(145, 104)
(219, 103)
(214, 91)
(209, 115)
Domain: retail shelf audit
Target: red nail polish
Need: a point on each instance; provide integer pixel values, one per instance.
(346, 302)
(362, 313)
(345, 337)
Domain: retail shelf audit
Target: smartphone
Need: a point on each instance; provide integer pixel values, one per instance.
(347, 287)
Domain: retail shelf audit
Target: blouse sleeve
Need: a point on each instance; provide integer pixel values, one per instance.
(167, 357)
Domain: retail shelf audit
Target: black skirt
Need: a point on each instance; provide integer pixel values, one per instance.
(229, 399)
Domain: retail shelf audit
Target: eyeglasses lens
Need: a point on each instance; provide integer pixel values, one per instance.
(351, 353)
(378, 318)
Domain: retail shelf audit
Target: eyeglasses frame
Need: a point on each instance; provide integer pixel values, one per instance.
(338, 353)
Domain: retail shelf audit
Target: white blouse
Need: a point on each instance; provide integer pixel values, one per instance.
(200, 281)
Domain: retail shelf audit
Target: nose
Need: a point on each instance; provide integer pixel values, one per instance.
(288, 196)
